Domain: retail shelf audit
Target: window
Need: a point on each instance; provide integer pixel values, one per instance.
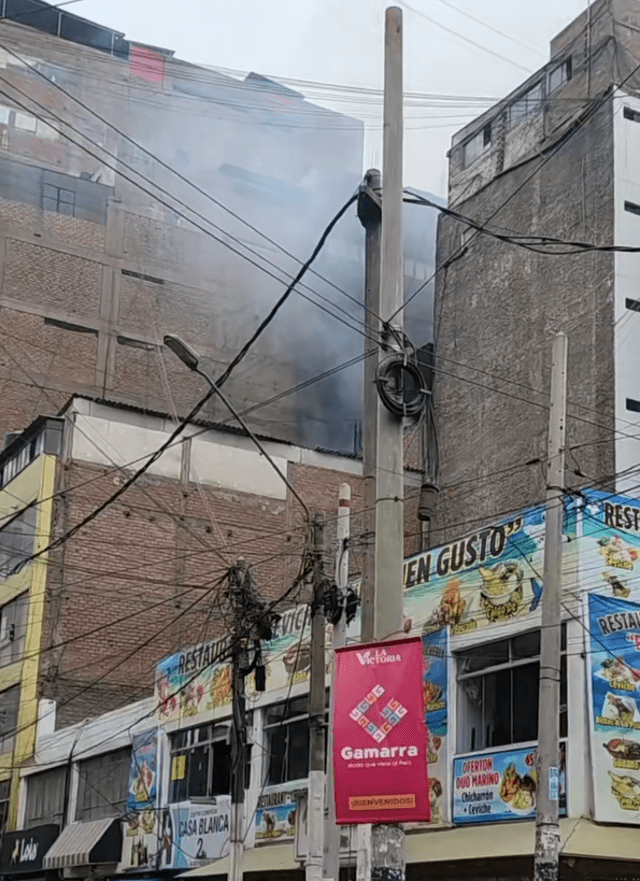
(634, 305)
(103, 784)
(476, 146)
(560, 75)
(498, 693)
(632, 405)
(632, 208)
(526, 104)
(45, 797)
(287, 730)
(9, 705)
(13, 629)
(17, 540)
(5, 794)
(633, 115)
(58, 199)
(200, 763)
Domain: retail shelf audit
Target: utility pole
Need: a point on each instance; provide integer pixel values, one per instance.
(331, 868)
(315, 815)
(389, 536)
(547, 853)
(387, 841)
(370, 216)
(240, 664)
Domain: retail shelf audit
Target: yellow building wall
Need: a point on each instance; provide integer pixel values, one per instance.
(34, 484)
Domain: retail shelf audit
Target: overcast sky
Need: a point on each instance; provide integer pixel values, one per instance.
(341, 42)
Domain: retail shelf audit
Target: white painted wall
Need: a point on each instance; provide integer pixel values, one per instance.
(626, 145)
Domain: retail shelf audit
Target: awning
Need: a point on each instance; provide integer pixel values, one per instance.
(579, 838)
(85, 844)
(267, 858)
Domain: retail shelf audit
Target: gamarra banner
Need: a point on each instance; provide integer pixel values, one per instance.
(380, 735)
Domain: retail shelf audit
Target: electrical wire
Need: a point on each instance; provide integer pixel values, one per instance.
(166, 204)
(173, 170)
(529, 241)
(592, 109)
(460, 36)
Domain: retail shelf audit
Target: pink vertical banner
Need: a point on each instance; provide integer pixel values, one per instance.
(380, 735)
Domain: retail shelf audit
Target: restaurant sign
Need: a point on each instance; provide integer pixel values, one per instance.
(500, 785)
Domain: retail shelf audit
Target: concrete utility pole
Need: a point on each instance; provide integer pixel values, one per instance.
(240, 663)
(387, 842)
(331, 869)
(315, 815)
(547, 855)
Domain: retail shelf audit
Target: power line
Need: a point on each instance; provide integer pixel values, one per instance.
(531, 242)
(173, 171)
(595, 105)
(460, 36)
(163, 202)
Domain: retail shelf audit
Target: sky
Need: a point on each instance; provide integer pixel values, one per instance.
(340, 43)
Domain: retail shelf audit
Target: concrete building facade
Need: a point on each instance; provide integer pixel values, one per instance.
(556, 158)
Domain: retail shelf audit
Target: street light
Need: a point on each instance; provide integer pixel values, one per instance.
(191, 359)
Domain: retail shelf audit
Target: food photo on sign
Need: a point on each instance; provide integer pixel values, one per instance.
(614, 668)
(380, 736)
(501, 785)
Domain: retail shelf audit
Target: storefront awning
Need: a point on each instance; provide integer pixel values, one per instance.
(268, 858)
(85, 844)
(579, 838)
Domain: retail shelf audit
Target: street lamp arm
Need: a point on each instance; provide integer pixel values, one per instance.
(191, 359)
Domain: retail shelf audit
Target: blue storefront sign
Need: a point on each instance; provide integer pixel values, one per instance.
(502, 785)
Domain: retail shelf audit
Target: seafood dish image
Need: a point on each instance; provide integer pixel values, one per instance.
(432, 693)
(621, 710)
(627, 750)
(618, 586)
(626, 790)
(501, 583)
(518, 791)
(616, 670)
(617, 553)
(450, 610)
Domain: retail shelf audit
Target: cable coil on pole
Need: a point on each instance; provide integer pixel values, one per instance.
(400, 381)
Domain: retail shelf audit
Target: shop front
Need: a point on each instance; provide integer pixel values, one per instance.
(23, 853)
(86, 850)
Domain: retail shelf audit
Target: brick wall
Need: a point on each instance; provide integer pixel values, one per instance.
(159, 548)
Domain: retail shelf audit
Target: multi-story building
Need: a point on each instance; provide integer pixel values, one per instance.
(84, 621)
(145, 789)
(141, 194)
(555, 158)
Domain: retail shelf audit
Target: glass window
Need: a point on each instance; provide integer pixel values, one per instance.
(45, 797)
(5, 794)
(498, 693)
(9, 706)
(58, 199)
(560, 75)
(526, 104)
(477, 145)
(13, 629)
(17, 540)
(287, 738)
(200, 763)
(102, 785)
